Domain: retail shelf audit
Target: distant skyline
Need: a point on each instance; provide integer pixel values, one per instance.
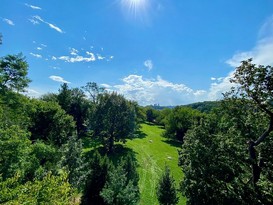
(167, 52)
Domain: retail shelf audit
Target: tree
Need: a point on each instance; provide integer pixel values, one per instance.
(93, 90)
(74, 102)
(256, 84)
(99, 169)
(114, 119)
(14, 149)
(50, 123)
(119, 190)
(13, 73)
(73, 162)
(129, 166)
(179, 121)
(166, 191)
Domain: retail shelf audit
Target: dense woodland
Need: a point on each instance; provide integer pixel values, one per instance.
(226, 147)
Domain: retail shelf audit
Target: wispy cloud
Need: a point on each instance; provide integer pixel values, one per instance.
(39, 48)
(148, 64)
(74, 51)
(36, 55)
(33, 7)
(58, 79)
(8, 21)
(37, 19)
(262, 51)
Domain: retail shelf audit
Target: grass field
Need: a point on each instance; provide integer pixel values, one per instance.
(153, 152)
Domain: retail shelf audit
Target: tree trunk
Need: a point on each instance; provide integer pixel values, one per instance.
(256, 169)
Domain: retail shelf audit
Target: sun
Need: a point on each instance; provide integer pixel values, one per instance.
(135, 7)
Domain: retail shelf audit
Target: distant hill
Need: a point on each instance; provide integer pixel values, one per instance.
(205, 106)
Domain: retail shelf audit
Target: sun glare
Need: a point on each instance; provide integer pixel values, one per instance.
(135, 7)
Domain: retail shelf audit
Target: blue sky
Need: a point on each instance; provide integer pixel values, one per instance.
(168, 52)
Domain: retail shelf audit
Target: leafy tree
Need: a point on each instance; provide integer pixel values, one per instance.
(96, 179)
(166, 191)
(119, 190)
(74, 102)
(151, 114)
(93, 90)
(13, 73)
(49, 190)
(179, 121)
(14, 149)
(256, 84)
(114, 119)
(50, 123)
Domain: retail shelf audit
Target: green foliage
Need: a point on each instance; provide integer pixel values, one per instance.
(206, 106)
(166, 191)
(119, 190)
(151, 114)
(13, 73)
(50, 123)
(179, 121)
(74, 102)
(114, 119)
(14, 149)
(73, 162)
(93, 90)
(99, 169)
(215, 161)
(130, 168)
(50, 190)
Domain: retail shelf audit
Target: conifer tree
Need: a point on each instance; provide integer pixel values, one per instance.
(166, 192)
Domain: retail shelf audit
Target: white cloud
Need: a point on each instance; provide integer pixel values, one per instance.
(262, 51)
(148, 64)
(106, 85)
(151, 91)
(78, 58)
(44, 45)
(58, 79)
(33, 21)
(74, 51)
(100, 57)
(33, 7)
(9, 22)
(36, 19)
(53, 58)
(39, 48)
(36, 55)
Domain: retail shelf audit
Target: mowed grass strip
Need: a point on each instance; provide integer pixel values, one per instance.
(153, 152)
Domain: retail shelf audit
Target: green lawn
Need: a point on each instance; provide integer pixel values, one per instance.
(152, 153)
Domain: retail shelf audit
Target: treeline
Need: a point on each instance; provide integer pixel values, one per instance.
(41, 159)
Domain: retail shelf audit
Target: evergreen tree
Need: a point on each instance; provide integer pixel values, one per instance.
(96, 179)
(166, 192)
(119, 190)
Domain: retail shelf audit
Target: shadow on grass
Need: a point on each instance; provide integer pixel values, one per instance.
(139, 134)
(117, 154)
(173, 143)
(154, 124)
